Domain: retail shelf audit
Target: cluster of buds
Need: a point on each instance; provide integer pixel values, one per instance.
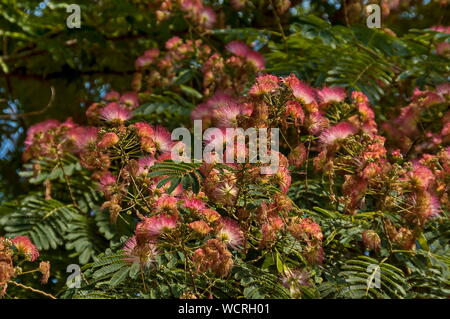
(15, 251)
(424, 124)
(156, 69)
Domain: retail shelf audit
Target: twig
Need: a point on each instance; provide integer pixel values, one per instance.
(32, 289)
(50, 103)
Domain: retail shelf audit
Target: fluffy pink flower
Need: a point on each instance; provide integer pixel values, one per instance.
(113, 112)
(130, 99)
(230, 232)
(238, 48)
(144, 129)
(83, 136)
(143, 254)
(143, 62)
(302, 91)
(151, 227)
(256, 59)
(226, 116)
(335, 133)
(331, 94)
(144, 163)
(24, 245)
(112, 96)
(108, 140)
(40, 127)
(107, 179)
(162, 139)
(194, 205)
(173, 42)
(166, 203)
(208, 17)
(294, 109)
(265, 84)
(152, 53)
(200, 227)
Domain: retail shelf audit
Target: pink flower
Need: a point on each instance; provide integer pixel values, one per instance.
(166, 203)
(238, 48)
(208, 17)
(113, 112)
(112, 96)
(152, 227)
(331, 94)
(83, 136)
(302, 91)
(108, 140)
(200, 227)
(162, 139)
(256, 59)
(230, 232)
(194, 205)
(143, 62)
(173, 43)
(294, 109)
(152, 53)
(226, 116)
(144, 129)
(144, 163)
(40, 127)
(130, 99)
(107, 179)
(24, 245)
(265, 84)
(143, 254)
(336, 133)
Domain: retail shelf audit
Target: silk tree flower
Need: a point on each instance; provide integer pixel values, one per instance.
(238, 4)
(294, 279)
(215, 257)
(107, 179)
(143, 254)
(112, 96)
(209, 215)
(24, 245)
(143, 129)
(420, 177)
(173, 43)
(298, 155)
(108, 140)
(130, 99)
(331, 94)
(294, 110)
(238, 48)
(265, 84)
(44, 269)
(224, 193)
(40, 128)
(336, 133)
(256, 59)
(83, 137)
(144, 163)
(113, 112)
(306, 229)
(200, 227)
(143, 61)
(194, 205)
(226, 116)
(207, 17)
(230, 232)
(166, 203)
(162, 139)
(371, 240)
(301, 91)
(152, 227)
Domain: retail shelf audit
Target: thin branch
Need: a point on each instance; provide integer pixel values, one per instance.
(32, 289)
(50, 103)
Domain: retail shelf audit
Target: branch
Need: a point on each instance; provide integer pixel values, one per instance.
(50, 103)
